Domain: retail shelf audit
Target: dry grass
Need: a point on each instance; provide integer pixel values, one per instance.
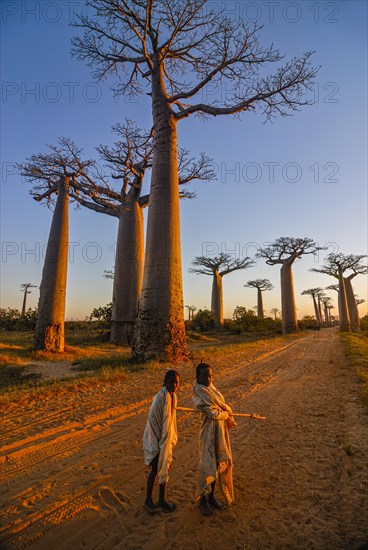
(356, 347)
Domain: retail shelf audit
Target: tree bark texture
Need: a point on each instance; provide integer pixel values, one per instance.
(289, 319)
(128, 273)
(160, 330)
(51, 306)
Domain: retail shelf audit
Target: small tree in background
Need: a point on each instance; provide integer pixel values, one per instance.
(313, 292)
(284, 251)
(261, 285)
(218, 267)
(25, 289)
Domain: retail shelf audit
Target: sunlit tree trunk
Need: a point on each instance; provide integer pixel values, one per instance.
(128, 272)
(160, 330)
(260, 303)
(343, 307)
(326, 314)
(352, 305)
(319, 309)
(51, 306)
(217, 298)
(289, 319)
(316, 310)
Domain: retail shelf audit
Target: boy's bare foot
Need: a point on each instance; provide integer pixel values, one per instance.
(214, 503)
(167, 506)
(151, 507)
(205, 508)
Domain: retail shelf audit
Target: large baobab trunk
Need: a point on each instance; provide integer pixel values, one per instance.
(51, 306)
(352, 305)
(217, 298)
(160, 330)
(260, 303)
(316, 310)
(128, 273)
(289, 320)
(327, 320)
(343, 307)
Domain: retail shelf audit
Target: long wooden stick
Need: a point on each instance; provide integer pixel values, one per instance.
(249, 415)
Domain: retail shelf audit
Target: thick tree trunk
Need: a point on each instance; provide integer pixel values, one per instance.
(326, 314)
(216, 298)
(24, 303)
(316, 311)
(319, 309)
(160, 330)
(128, 272)
(289, 319)
(51, 306)
(343, 306)
(352, 306)
(260, 303)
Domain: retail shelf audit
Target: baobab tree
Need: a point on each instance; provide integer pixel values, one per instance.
(174, 50)
(25, 289)
(218, 267)
(128, 160)
(54, 175)
(191, 310)
(336, 289)
(326, 300)
(284, 251)
(313, 292)
(261, 285)
(336, 265)
(275, 311)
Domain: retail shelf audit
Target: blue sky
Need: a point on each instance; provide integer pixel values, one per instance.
(299, 176)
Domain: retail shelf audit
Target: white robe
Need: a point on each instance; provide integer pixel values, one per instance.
(215, 457)
(160, 434)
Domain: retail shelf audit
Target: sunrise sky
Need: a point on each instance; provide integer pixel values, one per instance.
(299, 176)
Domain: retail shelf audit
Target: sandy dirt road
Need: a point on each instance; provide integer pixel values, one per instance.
(73, 475)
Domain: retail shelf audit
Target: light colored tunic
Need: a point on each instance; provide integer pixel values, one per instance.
(215, 458)
(160, 434)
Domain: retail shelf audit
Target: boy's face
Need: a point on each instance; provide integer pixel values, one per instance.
(205, 376)
(172, 383)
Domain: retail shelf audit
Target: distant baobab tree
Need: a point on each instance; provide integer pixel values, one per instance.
(284, 251)
(54, 175)
(275, 311)
(326, 300)
(24, 289)
(172, 51)
(261, 285)
(336, 265)
(359, 301)
(314, 292)
(191, 310)
(218, 267)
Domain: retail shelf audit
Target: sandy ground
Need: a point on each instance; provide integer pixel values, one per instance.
(73, 475)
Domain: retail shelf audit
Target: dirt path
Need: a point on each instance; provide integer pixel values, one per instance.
(73, 475)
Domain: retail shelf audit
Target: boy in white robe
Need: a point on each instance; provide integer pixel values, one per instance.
(215, 458)
(160, 435)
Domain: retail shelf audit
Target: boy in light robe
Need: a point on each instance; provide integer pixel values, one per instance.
(160, 436)
(215, 458)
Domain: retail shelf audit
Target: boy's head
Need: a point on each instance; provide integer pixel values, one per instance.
(204, 374)
(172, 381)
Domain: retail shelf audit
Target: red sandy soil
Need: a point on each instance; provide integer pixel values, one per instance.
(73, 474)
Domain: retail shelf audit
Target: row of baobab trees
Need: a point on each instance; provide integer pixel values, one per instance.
(169, 51)
(285, 251)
